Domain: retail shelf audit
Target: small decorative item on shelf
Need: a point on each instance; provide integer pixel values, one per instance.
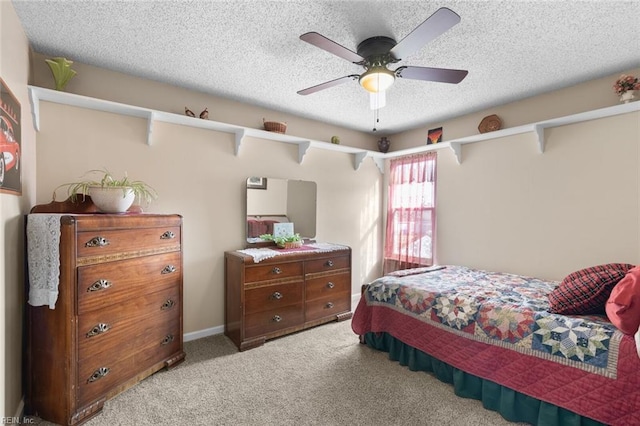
(188, 112)
(490, 123)
(383, 144)
(108, 194)
(205, 114)
(292, 241)
(434, 136)
(61, 70)
(275, 126)
(625, 86)
(335, 140)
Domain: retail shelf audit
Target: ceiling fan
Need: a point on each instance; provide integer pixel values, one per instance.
(376, 53)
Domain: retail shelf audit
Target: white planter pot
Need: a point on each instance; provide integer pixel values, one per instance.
(112, 199)
(627, 96)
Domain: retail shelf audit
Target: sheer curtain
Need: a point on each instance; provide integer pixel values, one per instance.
(410, 231)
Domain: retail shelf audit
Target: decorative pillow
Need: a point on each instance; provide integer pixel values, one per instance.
(586, 291)
(623, 306)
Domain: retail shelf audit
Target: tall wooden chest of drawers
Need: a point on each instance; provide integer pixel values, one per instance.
(117, 318)
(284, 294)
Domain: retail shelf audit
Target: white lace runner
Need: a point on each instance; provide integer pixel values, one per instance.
(43, 258)
(260, 254)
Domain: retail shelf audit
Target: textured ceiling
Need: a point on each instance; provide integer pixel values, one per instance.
(250, 51)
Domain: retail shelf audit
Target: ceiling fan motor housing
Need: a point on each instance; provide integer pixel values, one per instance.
(375, 50)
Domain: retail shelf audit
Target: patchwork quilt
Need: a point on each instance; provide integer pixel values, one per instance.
(496, 326)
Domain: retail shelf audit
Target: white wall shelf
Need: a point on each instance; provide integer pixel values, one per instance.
(37, 94)
(537, 128)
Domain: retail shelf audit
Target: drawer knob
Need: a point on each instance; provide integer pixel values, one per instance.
(98, 329)
(168, 235)
(167, 305)
(330, 285)
(99, 285)
(329, 305)
(276, 270)
(167, 339)
(277, 295)
(97, 242)
(277, 318)
(168, 269)
(329, 263)
(98, 374)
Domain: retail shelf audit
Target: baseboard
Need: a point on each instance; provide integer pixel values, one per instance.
(194, 335)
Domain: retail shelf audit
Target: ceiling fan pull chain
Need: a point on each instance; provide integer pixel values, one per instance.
(376, 118)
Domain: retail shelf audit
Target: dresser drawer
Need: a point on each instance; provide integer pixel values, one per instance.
(327, 306)
(328, 285)
(98, 377)
(113, 244)
(274, 271)
(262, 323)
(327, 264)
(122, 328)
(157, 344)
(272, 297)
(110, 283)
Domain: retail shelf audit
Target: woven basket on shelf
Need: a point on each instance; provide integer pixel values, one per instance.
(290, 244)
(275, 126)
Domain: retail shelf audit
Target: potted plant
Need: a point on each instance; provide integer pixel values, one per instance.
(110, 195)
(288, 242)
(625, 86)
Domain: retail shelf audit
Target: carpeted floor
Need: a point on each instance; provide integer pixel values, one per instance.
(321, 376)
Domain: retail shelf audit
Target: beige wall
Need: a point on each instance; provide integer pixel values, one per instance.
(103, 84)
(575, 205)
(198, 176)
(508, 207)
(591, 95)
(14, 68)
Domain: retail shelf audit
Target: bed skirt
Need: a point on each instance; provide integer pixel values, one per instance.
(513, 406)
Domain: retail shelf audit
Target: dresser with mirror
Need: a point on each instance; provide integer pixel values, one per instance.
(271, 292)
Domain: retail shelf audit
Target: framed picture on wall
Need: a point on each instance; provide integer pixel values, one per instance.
(10, 146)
(257, 183)
(434, 136)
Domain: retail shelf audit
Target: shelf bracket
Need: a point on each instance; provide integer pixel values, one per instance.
(358, 158)
(456, 147)
(239, 137)
(35, 108)
(151, 118)
(380, 163)
(302, 150)
(539, 130)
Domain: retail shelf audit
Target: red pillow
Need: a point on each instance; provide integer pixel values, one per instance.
(586, 291)
(623, 306)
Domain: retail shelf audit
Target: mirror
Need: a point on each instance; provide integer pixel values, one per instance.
(271, 201)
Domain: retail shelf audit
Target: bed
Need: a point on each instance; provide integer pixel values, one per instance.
(492, 336)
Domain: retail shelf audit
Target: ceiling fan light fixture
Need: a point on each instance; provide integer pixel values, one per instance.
(377, 79)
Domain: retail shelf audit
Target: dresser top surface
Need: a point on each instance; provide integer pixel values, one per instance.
(100, 220)
(273, 255)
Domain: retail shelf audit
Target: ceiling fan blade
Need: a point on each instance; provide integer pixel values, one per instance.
(327, 84)
(331, 46)
(441, 75)
(431, 28)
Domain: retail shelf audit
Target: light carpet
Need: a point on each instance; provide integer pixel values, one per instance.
(321, 376)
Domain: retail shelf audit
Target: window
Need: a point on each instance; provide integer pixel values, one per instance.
(410, 212)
